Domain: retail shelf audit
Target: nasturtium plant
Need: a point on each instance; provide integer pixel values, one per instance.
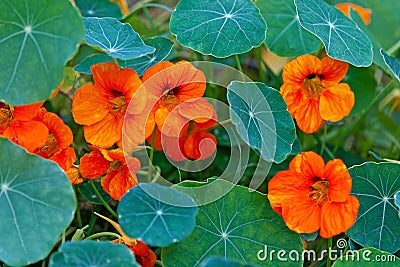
(220, 28)
(285, 36)
(31, 34)
(32, 219)
(199, 133)
(117, 39)
(378, 223)
(144, 213)
(236, 226)
(342, 38)
(89, 253)
(262, 119)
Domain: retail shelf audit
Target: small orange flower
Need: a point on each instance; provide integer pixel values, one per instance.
(171, 85)
(120, 176)
(59, 140)
(18, 124)
(312, 91)
(364, 13)
(312, 195)
(101, 106)
(143, 254)
(93, 164)
(74, 175)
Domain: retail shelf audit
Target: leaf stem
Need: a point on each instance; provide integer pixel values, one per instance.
(238, 65)
(323, 139)
(159, 263)
(393, 48)
(328, 261)
(78, 210)
(97, 235)
(102, 199)
(151, 156)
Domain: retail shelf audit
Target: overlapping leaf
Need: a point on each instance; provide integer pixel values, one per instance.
(262, 119)
(90, 253)
(37, 204)
(218, 27)
(99, 8)
(378, 223)
(285, 37)
(392, 63)
(31, 35)
(156, 214)
(88, 192)
(84, 65)
(342, 38)
(118, 39)
(236, 226)
(221, 261)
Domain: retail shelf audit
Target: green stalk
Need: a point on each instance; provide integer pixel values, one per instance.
(328, 261)
(97, 235)
(151, 156)
(102, 200)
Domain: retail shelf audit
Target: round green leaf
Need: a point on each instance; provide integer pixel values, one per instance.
(370, 257)
(163, 48)
(90, 253)
(32, 34)
(99, 8)
(239, 226)
(87, 192)
(37, 204)
(118, 39)
(378, 223)
(84, 65)
(342, 38)
(218, 27)
(222, 262)
(392, 63)
(262, 119)
(285, 36)
(144, 214)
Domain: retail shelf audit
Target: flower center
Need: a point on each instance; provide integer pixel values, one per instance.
(6, 112)
(118, 105)
(313, 86)
(115, 165)
(50, 147)
(169, 98)
(319, 191)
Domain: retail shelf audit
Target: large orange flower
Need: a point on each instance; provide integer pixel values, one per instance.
(59, 140)
(17, 124)
(312, 91)
(364, 13)
(312, 195)
(169, 86)
(101, 106)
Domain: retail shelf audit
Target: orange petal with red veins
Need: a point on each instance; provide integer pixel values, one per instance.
(301, 215)
(93, 165)
(200, 145)
(308, 116)
(117, 183)
(134, 132)
(333, 71)
(172, 146)
(144, 256)
(157, 68)
(65, 158)
(336, 102)
(198, 110)
(364, 13)
(29, 134)
(104, 133)
(171, 123)
(88, 107)
(27, 112)
(338, 217)
(299, 68)
(309, 164)
(339, 180)
(293, 96)
(74, 175)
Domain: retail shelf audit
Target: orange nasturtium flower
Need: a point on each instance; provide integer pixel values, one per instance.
(58, 145)
(312, 195)
(101, 107)
(17, 124)
(169, 86)
(143, 254)
(312, 91)
(364, 13)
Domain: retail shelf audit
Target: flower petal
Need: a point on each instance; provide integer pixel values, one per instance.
(333, 71)
(298, 69)
(65, 158)
(338, 217)
(364, 13)
(198, 110)
(336, 102)
(171, 123)
(104, 133)
(93, 164)
(27, 112)
(293, 96)
(200, 145)
(29, 134)
(117, 183)
(308, 116)
(309, 164)
(88, 107)
(339, 180)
